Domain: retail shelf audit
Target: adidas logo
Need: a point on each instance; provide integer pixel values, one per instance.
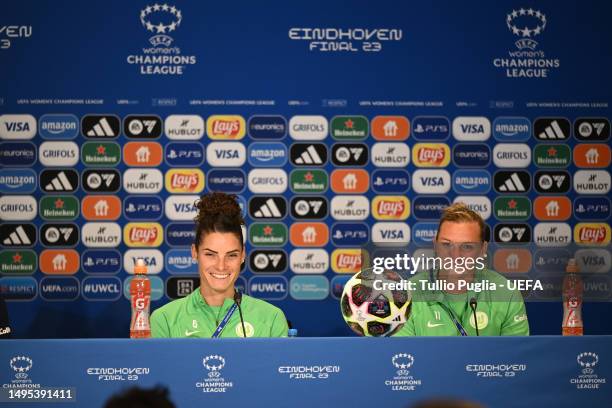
(314, 154)
(552, 129)
(60, 181)
(100, 126)
(273, 207)
(515, 182)
(18, 235)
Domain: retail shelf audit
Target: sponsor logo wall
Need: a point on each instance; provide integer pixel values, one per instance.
(309, 205)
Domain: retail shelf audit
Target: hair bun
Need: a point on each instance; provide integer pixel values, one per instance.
(214, 205)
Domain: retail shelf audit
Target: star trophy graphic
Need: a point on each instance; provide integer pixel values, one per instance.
(150, 17)
(587, 361)
(533, 23)
(402, 361)
(213, 364)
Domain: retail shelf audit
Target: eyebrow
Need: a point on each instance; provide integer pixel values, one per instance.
(210, 250)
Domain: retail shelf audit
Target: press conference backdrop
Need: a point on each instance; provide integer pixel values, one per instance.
(337, 124)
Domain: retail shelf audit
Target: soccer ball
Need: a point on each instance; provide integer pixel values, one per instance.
(371, 312)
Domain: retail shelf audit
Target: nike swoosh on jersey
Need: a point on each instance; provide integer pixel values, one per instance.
(189, 333)
(432, 325)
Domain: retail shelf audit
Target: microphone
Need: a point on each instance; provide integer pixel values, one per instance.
(238, 300)
(473, 305)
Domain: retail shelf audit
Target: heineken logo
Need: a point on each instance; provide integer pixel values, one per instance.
(17, 262)
(512, 208)
(309, 181)
(101, 153)
(268, 234)
(349, 127)
(552, 155)
(59, 207)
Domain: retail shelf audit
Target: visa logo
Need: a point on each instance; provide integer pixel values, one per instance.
(184, 207)
(467, 128)
(392, 234)
(149, 261)
(432, 181)
(227, 154)
(17, 126)
(593, 260)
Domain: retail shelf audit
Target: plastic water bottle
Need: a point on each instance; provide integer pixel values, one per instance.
(572, 300)
(140, 299)
(292, 333)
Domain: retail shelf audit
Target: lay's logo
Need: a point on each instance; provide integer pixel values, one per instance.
(226, 127)
(431, 155)
(592, 233)
(186, 181)
(347, 260)
(390, 208)
(140, 234)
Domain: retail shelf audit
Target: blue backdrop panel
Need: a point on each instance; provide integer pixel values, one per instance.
(542, 71)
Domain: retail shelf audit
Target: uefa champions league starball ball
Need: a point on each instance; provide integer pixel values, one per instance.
(375, 312)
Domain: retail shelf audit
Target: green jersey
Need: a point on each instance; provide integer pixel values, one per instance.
(500, 311)
(191, 316)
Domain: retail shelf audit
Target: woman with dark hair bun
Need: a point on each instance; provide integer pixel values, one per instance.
(217, 309)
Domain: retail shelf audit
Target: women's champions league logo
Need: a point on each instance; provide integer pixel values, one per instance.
(161, 19)
(537, 23)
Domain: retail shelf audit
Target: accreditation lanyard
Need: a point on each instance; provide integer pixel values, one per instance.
(223, 323)
(454, 319)
(448, 310)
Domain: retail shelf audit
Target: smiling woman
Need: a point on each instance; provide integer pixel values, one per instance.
(216, 308)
